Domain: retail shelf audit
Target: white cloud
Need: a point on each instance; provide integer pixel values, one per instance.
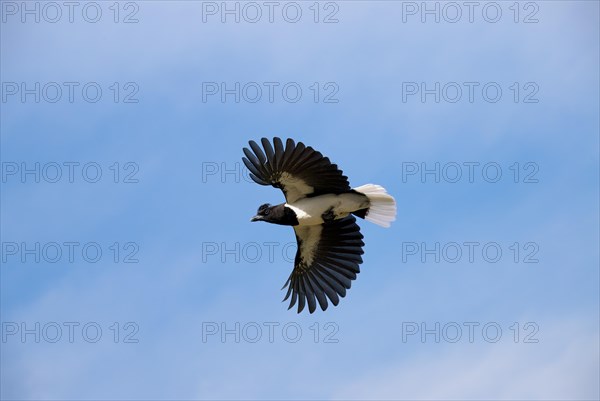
(563, 365)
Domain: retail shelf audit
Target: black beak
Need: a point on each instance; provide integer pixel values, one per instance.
(256, 218)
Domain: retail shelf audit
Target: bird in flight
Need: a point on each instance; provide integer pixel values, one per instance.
(320, 206)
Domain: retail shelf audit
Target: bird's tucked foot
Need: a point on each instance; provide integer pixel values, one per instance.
(328, 216)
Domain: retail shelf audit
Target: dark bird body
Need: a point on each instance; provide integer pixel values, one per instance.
(320, 206)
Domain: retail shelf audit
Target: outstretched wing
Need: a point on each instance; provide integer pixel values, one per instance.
(297, 169)
(326, 263)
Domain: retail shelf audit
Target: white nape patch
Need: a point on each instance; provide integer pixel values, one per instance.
(309, 237)
(383, 206)
(295, 187)
(309, 211)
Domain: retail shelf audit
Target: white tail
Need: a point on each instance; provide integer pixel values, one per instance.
(383, 206)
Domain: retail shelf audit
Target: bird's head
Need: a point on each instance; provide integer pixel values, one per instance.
(263, 213)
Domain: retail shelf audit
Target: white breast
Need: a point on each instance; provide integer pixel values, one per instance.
(309, 210)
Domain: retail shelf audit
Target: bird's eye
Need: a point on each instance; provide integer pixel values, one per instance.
(262, 208)
(266, 212)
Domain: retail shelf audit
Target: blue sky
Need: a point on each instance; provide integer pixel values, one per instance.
(181, 222)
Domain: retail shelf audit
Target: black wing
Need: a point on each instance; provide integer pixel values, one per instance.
(326, 263)
(297, 169)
